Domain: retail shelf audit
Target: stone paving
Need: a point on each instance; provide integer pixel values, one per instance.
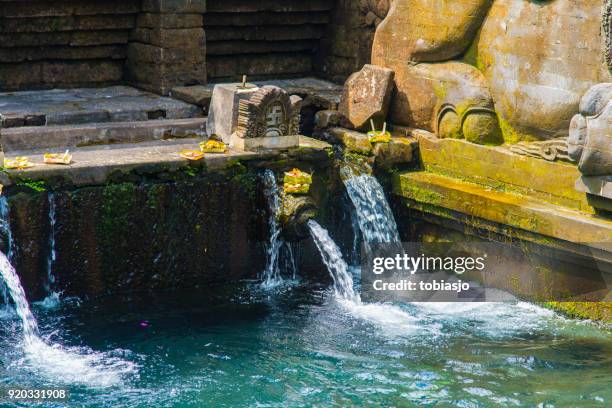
(89, 105)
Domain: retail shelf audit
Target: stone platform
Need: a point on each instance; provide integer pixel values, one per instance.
(89, 105)
(98, 165)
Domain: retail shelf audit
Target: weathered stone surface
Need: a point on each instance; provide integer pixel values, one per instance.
(162, 77)
(537, 68)
(83, 38)
(62, 53)
(269, 118)
(240, 48)
(520, 212)
(399, 151)
(22, 9)
(265, 18)
(197, 94)
(174, 6)
(169, 20)
(259, 65)
(326, 118)
(366, 96)
(240, 6)
(450, 98)
(138, 53)
(118, 103)
(498, 168)
(426, 31)
(170, 37)
(353, 141)
(590, 138)
(71, 136)
(71, 23)
(223, 112)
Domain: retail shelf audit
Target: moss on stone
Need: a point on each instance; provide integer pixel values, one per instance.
(598, 311)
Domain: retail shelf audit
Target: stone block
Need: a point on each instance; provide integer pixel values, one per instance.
(241, 6)
(223, 112)
(259, 143)
(101, 37)
(62, 53)
(273, 64)
(169, 20)
(138, 52)
(353, 141)
(367, 96)
(35, 39)
(198, 95)
(82, 72)
(170, 37)
(397, 152)
(174, 6)
(161, 78)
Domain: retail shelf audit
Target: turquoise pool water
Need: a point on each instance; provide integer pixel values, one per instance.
(298, 346)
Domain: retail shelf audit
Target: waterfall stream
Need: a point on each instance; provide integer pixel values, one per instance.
(332, 257)
(271, 275)
(5, 227)
(15, 291)
(374, 216)
(53, 297)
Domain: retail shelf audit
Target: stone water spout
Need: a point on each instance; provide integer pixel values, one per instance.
(297, 210)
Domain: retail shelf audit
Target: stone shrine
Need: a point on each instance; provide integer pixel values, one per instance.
(268, 119)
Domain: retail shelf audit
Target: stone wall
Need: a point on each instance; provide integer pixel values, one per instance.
(65, 43)
(347, 44)
(161, 228)
(263, 39)
(168, 46)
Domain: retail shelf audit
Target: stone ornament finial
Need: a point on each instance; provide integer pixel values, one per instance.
(269, 112)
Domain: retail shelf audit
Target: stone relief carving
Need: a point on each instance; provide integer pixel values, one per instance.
(269, 112)
(551, 150)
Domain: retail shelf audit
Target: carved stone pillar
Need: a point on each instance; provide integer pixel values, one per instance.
(168, 46)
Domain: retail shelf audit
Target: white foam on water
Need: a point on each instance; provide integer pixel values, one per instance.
(72, 365)
(76, 365)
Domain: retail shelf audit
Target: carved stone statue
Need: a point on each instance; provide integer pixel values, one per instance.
(493, 71)
(269, 118)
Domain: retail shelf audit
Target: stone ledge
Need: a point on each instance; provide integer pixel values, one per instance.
(95, 165)
(498, 168)
(445, 196)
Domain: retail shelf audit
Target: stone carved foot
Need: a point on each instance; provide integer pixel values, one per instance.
(590, 139)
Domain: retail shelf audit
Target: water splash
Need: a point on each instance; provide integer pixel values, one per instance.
(271, 276)
(391, 319)
(374, 216)
(54, 361)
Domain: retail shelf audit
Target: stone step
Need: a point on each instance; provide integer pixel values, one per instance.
(481, 207)
(88, 105)
(71, 136)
